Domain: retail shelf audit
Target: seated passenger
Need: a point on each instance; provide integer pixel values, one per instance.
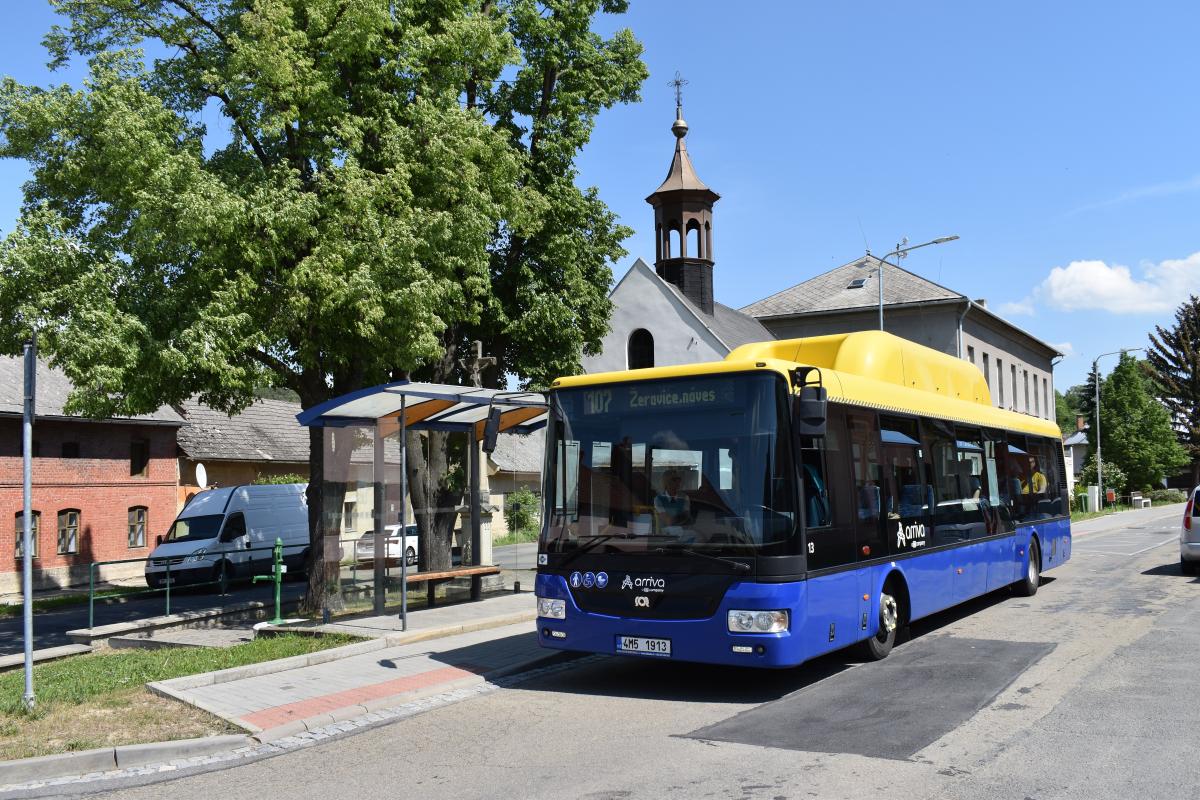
(671, 505)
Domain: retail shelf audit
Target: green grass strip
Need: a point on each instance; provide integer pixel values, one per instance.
(77, 679)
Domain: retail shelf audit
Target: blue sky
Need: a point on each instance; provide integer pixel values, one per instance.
(1059, 140)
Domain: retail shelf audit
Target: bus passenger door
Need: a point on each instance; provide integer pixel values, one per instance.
(833, 613)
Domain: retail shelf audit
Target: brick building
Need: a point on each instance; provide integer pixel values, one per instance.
(102, 489)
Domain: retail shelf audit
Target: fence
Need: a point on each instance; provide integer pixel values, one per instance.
(351, 551)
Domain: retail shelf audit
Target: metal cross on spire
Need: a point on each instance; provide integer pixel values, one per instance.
(679, 82)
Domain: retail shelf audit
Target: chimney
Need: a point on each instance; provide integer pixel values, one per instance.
(981, 302)
(1080, 424)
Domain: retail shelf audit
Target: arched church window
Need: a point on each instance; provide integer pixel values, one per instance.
(641, 349)
(693, 240)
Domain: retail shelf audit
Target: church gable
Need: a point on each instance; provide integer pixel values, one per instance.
(644, 302)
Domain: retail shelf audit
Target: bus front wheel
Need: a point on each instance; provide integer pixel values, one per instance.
(877, 647)
(1028, 585)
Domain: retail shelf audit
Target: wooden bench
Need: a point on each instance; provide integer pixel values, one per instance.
(432, 579)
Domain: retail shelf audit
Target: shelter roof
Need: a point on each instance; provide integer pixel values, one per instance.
(429, 406)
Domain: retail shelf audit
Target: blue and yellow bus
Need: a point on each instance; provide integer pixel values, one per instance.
(798, 497)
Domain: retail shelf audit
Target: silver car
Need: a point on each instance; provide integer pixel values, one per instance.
(1189, 535)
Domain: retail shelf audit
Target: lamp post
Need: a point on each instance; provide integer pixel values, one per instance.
(901, 251)
(1096, 379)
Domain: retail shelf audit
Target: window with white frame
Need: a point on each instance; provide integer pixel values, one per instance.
(137, 526)
(35, 524)
(68, 531)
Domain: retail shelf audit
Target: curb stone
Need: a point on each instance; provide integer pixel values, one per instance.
(106, 759)
(252, 751)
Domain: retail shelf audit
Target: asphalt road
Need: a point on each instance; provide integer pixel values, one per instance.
(516, 556)
(1086, 690)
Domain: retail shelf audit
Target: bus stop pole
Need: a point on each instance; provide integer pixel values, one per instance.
(379, 518)
(476, 528)
(27, 515)
(404, 514)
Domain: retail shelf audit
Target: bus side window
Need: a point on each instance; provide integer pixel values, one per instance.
(866, 471)
(830, 543)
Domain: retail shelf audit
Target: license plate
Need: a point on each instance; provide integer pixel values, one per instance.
(640, 644)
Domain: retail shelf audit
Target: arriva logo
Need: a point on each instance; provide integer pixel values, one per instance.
(648, 584)
(910, 536)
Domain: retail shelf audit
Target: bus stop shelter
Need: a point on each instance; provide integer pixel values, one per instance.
(364, 445)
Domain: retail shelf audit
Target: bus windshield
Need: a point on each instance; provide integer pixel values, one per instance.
(701, 464)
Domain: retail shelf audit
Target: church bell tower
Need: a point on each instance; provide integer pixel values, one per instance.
(683, 220)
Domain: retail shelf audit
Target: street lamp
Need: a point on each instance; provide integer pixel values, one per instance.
(901, 251)
(1096, 378)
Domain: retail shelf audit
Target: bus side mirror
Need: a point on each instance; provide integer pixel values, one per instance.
(491, 430)
(808, 411)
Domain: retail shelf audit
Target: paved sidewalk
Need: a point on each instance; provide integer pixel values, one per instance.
(395, 669)
(454, 618)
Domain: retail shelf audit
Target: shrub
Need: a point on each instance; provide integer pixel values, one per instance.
(521, 509)
(1168, 496)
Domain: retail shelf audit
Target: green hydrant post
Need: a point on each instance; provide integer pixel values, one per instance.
(277, 576)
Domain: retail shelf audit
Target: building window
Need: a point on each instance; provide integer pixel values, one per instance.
(348, 510)
(68, 531)
(35, 525)
(1046, 397)
(139, 458)
(641, 349)
(137, 526)
(1000, 380)
(37, 448)
(1037, 401)
(70, 449)
(971, 354)
(1013, 384)
(986, 375)
(1026, 375)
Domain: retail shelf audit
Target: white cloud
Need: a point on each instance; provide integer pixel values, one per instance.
(1097, 286)
(1066, 348)
(1021, 308)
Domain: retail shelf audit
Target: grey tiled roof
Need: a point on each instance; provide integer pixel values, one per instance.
(52, 390)
(731, 326)
(266, 431)
(830, 291)
(519, 452)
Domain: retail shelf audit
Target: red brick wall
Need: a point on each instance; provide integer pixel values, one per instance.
(97, 483)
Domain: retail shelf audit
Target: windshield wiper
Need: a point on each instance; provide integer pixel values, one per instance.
(586, 547)
(738, 566)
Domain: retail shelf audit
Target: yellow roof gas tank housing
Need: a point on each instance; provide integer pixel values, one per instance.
(879, 356)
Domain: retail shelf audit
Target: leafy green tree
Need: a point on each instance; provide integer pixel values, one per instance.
(521, 510)
(1135, 430)
(395, 177)
(1173, 361)
(1114, 477)
(1066, 410)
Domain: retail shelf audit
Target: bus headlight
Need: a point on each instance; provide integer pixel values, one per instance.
(198, 555)
(758, 621)
(552, 609)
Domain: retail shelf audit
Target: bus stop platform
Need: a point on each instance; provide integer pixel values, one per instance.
(279, 699)
(428, 623)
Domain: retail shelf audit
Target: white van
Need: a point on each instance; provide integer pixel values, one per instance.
(218, 527)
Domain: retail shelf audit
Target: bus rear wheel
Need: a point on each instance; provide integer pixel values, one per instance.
(1028, 585)
(878, 646)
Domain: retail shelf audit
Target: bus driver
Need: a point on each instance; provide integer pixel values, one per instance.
(671, 505)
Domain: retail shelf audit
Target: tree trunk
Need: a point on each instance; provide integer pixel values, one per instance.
(328, 475)
(435, 502)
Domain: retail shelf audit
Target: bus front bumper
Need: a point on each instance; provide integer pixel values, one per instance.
(705, 640)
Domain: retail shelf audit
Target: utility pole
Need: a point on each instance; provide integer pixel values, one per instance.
(27, 515)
